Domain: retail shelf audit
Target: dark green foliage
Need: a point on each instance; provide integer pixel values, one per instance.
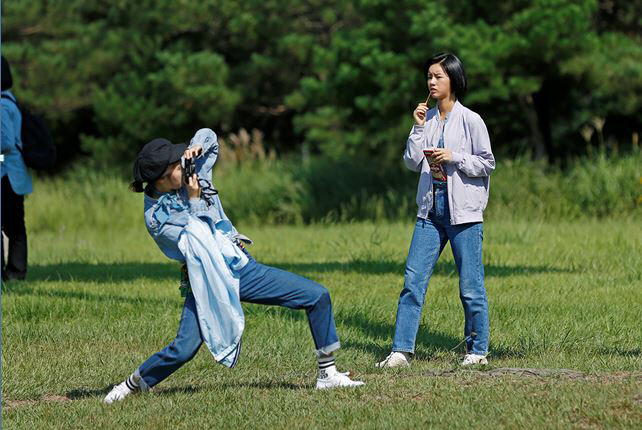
(550, 77)
(323, 189)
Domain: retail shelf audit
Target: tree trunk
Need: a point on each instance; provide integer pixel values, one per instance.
(536, 136)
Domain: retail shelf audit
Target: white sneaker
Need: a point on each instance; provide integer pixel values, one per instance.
(395, 359)
(471, 359)
(119, 392)
(337, 380)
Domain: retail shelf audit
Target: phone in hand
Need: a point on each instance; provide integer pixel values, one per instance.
(437, 169)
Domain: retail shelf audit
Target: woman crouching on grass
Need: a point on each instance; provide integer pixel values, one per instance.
(450, 147)
(185, 218)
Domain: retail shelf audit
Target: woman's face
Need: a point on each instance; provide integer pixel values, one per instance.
(438, 82)
(172, 179)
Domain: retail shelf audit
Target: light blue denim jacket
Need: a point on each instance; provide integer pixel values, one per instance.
(167, 215)
(13, 164)
(213, 264)
(468, 181)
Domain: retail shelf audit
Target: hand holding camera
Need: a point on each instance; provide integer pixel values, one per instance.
(189, 169)
(193, 187)
(190, 178)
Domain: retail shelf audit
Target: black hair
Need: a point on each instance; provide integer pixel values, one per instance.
(453, 68)
(7, 80)
(136, 187)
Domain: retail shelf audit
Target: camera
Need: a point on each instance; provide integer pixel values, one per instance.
(188, 168)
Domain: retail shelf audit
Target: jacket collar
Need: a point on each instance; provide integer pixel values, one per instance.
(152, 192)
(457, 107)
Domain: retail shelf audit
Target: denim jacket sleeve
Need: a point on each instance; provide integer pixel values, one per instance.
(207, 139)
(480, 162)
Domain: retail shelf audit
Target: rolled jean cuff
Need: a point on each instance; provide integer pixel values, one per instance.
(327, 350)
(142, 384)
(406, 350)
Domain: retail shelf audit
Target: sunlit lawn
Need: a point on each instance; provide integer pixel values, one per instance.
(563, 295)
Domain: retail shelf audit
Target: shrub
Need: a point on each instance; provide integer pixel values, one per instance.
(296, 191)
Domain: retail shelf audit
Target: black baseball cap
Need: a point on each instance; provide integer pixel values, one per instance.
(153, 159)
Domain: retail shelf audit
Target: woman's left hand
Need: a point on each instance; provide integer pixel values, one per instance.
(193, 152)
(443, 155)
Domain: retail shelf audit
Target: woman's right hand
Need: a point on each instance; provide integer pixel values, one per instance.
(420, 113)
(193, 152)
(193, 187)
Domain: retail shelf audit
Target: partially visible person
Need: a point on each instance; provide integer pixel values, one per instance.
(450, 148)
(16, 183)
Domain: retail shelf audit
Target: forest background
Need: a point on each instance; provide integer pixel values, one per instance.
(309, 96)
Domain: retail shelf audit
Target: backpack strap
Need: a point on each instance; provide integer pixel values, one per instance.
(7, 96)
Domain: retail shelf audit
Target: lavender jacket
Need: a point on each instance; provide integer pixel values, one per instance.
(465, 134)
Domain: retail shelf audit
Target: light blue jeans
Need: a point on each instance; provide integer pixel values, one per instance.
(428, 240)
(258, 284)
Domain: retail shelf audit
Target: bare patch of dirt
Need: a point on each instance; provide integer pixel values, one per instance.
(49, 398)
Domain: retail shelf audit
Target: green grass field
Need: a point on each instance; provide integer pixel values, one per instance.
(565, 300)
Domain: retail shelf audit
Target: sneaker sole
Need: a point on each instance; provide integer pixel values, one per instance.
(388, 366)
(329, 387)
(483, 362)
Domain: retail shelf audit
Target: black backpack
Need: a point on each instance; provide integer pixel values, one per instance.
(38, 148)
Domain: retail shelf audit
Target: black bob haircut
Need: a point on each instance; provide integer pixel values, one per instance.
(453, 68)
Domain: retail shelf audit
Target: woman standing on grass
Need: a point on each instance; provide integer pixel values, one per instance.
(452, 194)
(185, 218)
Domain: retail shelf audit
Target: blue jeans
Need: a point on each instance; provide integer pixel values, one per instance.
(258, 284)
(428, 240)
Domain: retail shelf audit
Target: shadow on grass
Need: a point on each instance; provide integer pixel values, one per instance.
(377, 331)
(83, 393)
(373, 330)
(373, 333)
(188, 389)
(103, 272)
(391, 267)
(99, 273)
(25, 290)
(120, 272)
(266, 385)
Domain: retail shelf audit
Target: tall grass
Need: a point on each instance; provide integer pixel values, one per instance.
(295, 191)
(594, 186)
